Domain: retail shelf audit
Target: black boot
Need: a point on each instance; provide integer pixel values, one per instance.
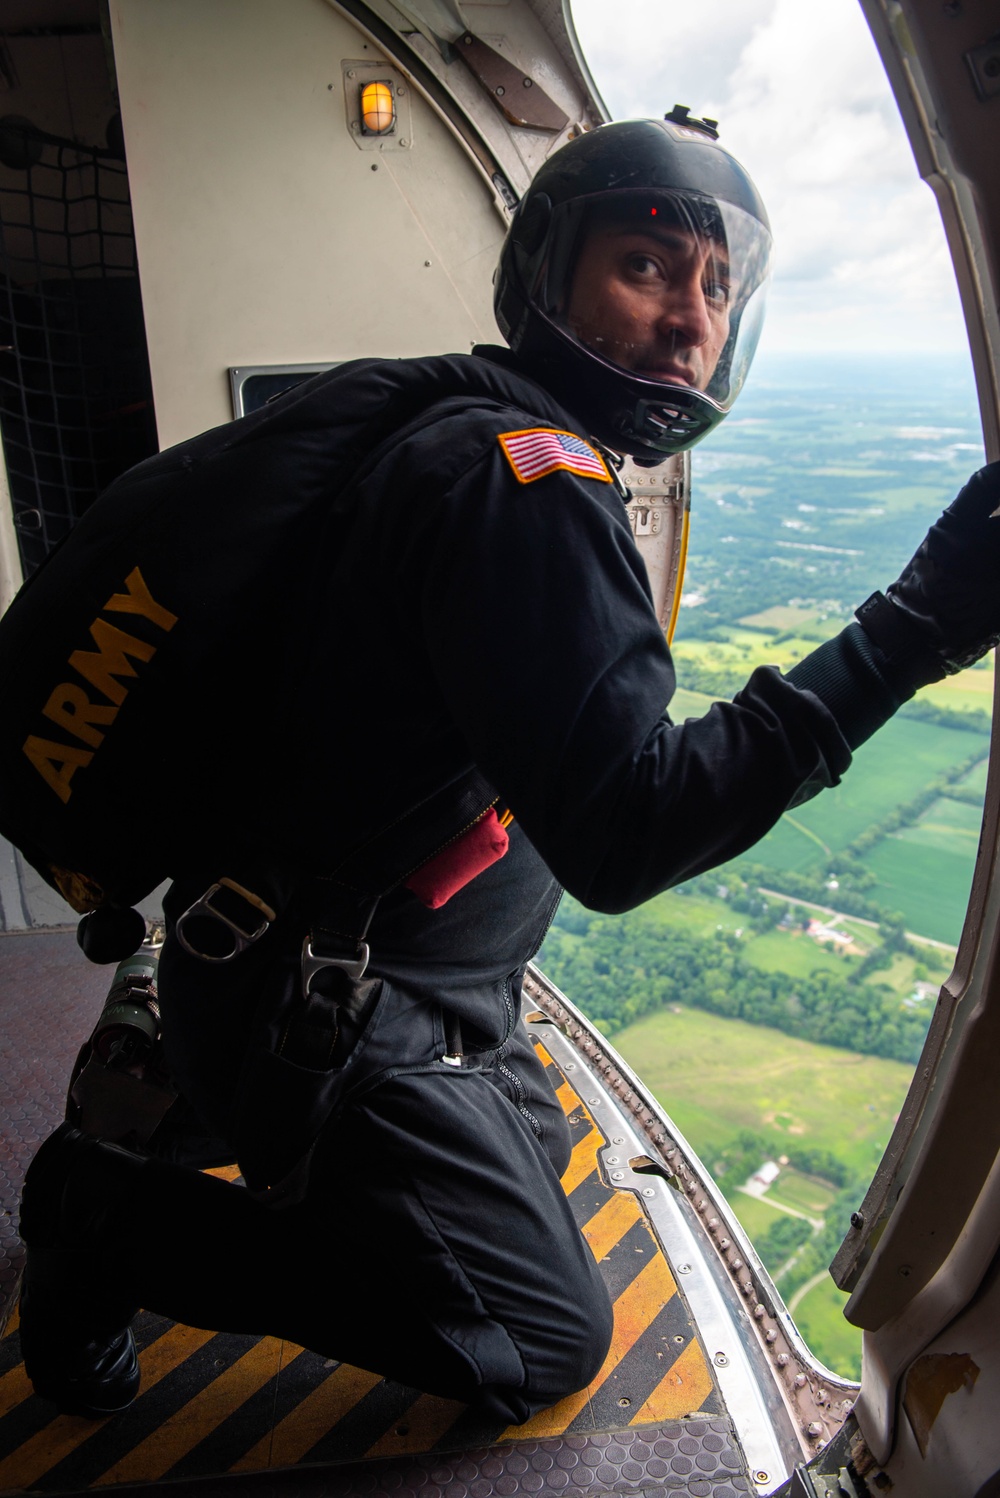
(76, 1340)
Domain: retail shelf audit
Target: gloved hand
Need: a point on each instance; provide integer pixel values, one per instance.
(943, 611)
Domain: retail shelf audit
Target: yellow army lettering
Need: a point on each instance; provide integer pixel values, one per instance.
(69, 706)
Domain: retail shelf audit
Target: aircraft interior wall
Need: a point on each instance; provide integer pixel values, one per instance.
(270, 230)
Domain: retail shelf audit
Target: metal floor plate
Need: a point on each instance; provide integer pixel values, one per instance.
(246, 1410)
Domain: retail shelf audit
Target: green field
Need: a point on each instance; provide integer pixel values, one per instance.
(975, 780)
(685, 704)
(793, 951)
(890, 768)
(796, 953)
(972, 689)
(782, 616)
(924, 871)
(776, 951)
(716, 1076)
(755, 1215)
(924, 497)
(930, 887)
(805, 1193)
(819, 1317)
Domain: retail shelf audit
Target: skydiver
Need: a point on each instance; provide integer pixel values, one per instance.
(479, 613)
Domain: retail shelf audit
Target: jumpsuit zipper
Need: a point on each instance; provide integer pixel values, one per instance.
(512, 1077)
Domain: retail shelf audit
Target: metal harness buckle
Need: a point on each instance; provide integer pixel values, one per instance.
(314, 962)
(241, 935)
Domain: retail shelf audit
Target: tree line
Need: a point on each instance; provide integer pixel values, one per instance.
(629, 966)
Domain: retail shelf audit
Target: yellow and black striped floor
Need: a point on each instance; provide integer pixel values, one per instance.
(214, 1403)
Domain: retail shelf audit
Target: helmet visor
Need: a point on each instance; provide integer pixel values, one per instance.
(668, 289)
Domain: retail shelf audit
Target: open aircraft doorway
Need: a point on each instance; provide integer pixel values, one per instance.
(265, 188)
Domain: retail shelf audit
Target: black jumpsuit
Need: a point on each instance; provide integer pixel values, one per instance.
(467, 615)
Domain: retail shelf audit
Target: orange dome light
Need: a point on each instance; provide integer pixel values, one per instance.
(378, 112)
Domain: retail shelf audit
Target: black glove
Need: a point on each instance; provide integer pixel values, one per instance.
(943, 611)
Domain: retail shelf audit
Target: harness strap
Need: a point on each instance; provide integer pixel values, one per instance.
(336, 907)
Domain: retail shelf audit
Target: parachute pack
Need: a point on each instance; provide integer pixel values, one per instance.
(128, 663)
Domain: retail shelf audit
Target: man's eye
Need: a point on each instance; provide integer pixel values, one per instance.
(643, 265)
(718, 293)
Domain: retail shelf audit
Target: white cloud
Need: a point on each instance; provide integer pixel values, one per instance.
(803, 101)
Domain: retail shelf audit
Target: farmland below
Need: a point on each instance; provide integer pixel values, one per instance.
(777, 1005)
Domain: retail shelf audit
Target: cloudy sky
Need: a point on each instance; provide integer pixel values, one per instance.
(803, 101)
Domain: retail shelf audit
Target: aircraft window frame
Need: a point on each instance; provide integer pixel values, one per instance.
(247, 397)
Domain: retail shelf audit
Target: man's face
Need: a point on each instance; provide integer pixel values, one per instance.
(653, 300)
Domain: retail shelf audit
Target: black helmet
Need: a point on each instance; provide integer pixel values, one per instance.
(610, 222)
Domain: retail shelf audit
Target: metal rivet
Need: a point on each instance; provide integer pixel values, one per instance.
(770, 1335)
(618, 1175)
(612, 1159)
(800, 1380)
(679, 1339)
(648, 1191)
(761, 1477)
(758, 1311)
(905, 1271)
(857, 1219)
(403, 141)
(400, 91)
(500, 90)
(624, 1402)
(814, 1429)
(720, 1360)
(528, 82)
(782, 1359)
(618, 1139)
(684, 1269)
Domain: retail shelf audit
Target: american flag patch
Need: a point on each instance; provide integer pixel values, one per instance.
(541, 450)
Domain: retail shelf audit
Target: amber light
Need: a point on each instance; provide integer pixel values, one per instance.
(378, 113)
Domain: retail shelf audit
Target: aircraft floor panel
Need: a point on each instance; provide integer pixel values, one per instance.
(234, 1413)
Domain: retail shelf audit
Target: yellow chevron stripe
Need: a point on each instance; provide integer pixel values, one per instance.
(310, 1420)
(608, 1226)
(182, 1431)
(424, 1422)
(14, 1388)
(568, 1098)
(168, 1352)
(635, 1309)
(583, 1161)
(60, 1438)
(682, 1389)
(45, 1450)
